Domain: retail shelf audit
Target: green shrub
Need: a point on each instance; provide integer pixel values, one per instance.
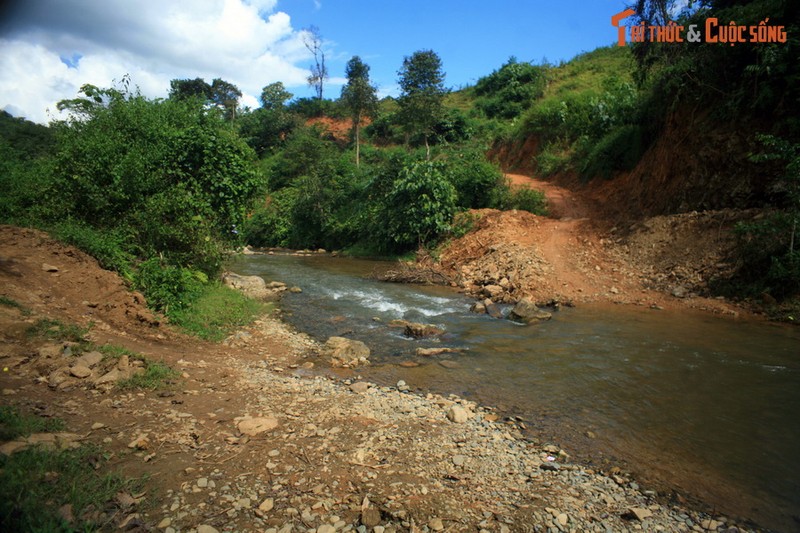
(473, 177)
(156, 375)
(166, 287)
(420, 206)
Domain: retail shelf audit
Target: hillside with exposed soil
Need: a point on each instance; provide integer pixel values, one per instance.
(573, 255)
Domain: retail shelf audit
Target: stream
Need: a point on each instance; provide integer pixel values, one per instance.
(705, 406)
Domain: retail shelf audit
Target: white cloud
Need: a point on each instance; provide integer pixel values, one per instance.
(242, 41)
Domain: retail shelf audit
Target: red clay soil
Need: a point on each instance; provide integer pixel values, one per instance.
(572, 255)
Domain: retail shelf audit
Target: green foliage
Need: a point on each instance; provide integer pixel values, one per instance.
(314, 107)
(35, 482)
(168, 175)
(266, 128)
(770, 247)
(218, 312)
(524, 199)
(421, 205)
(620, 149)
(359, 97)
(110, 247)
(422, 91)
(167, 287)
(509, 91)
(15, 424)
(271, 223)
(473, 177)
(26, 139)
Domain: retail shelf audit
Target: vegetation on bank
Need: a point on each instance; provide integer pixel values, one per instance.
(159, 190)
(39, 485)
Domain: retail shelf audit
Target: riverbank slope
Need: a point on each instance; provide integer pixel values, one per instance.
(247, 440)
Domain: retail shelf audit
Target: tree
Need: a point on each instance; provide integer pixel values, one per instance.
(274, 96)
(179, 89)
(422, 92)
(225, 95)
(359, 96)
(312, 40)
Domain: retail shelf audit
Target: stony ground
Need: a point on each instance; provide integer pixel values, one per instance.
(250, 439)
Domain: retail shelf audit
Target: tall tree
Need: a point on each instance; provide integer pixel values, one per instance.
(180, 89)
(225, 95)
(274, 96)
(359, 97)
(312, 39)
(422, 92)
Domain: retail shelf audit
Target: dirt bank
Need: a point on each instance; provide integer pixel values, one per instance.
(248, 440)
(573, 255)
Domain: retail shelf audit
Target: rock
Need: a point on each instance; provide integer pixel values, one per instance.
(436, 524)
(427, 352)
(402, 386)
(256, 426)
(13, 446)
(326, 528)
(526, 311)
(49, 268)
(139, 443)
(639, 513)
(550, 466)
(57, 377)
(202, 482)
(80, 371)
(679, 291)
(89, 359)
(360, 387)
(562, 519)
(447, 363)
(478, 308)
(165, 523)
(492, 291)
(112, 376)
(458, 414)
(206, 529)
(251, 286)
(267, 505)
(345, 352)
(492, 310)
(295, 290)
(370, 517)
(421, 331)
(409, 364)
(459, 460)
(613, 290)
(98, 425)
(51, 351)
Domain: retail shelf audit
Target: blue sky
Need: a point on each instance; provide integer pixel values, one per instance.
(49, 48)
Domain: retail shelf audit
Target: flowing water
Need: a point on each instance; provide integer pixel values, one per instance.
(706, 406)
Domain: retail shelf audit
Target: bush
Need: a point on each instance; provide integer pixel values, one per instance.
(420, 206)
(473, 176)
(168, 288)
(217, 312)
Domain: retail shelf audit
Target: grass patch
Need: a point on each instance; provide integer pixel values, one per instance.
(10, 302)
(55, 330)
(34, 483)
(217, 312)
(14, 424)
(156, 375)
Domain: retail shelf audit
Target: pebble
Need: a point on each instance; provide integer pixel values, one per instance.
(202, 482)
(459, 460)
(436, 524)
(326, 528)
(267, 505)
(206, 529)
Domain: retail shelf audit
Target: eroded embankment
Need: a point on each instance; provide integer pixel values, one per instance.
(244, 441)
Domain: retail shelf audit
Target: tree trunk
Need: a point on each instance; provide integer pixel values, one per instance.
(358, 143)
(427, 149)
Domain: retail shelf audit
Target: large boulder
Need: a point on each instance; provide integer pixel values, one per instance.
(346, 353)
(252, 286)
(527, 311)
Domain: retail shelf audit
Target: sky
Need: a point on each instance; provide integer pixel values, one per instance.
(50, 48)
